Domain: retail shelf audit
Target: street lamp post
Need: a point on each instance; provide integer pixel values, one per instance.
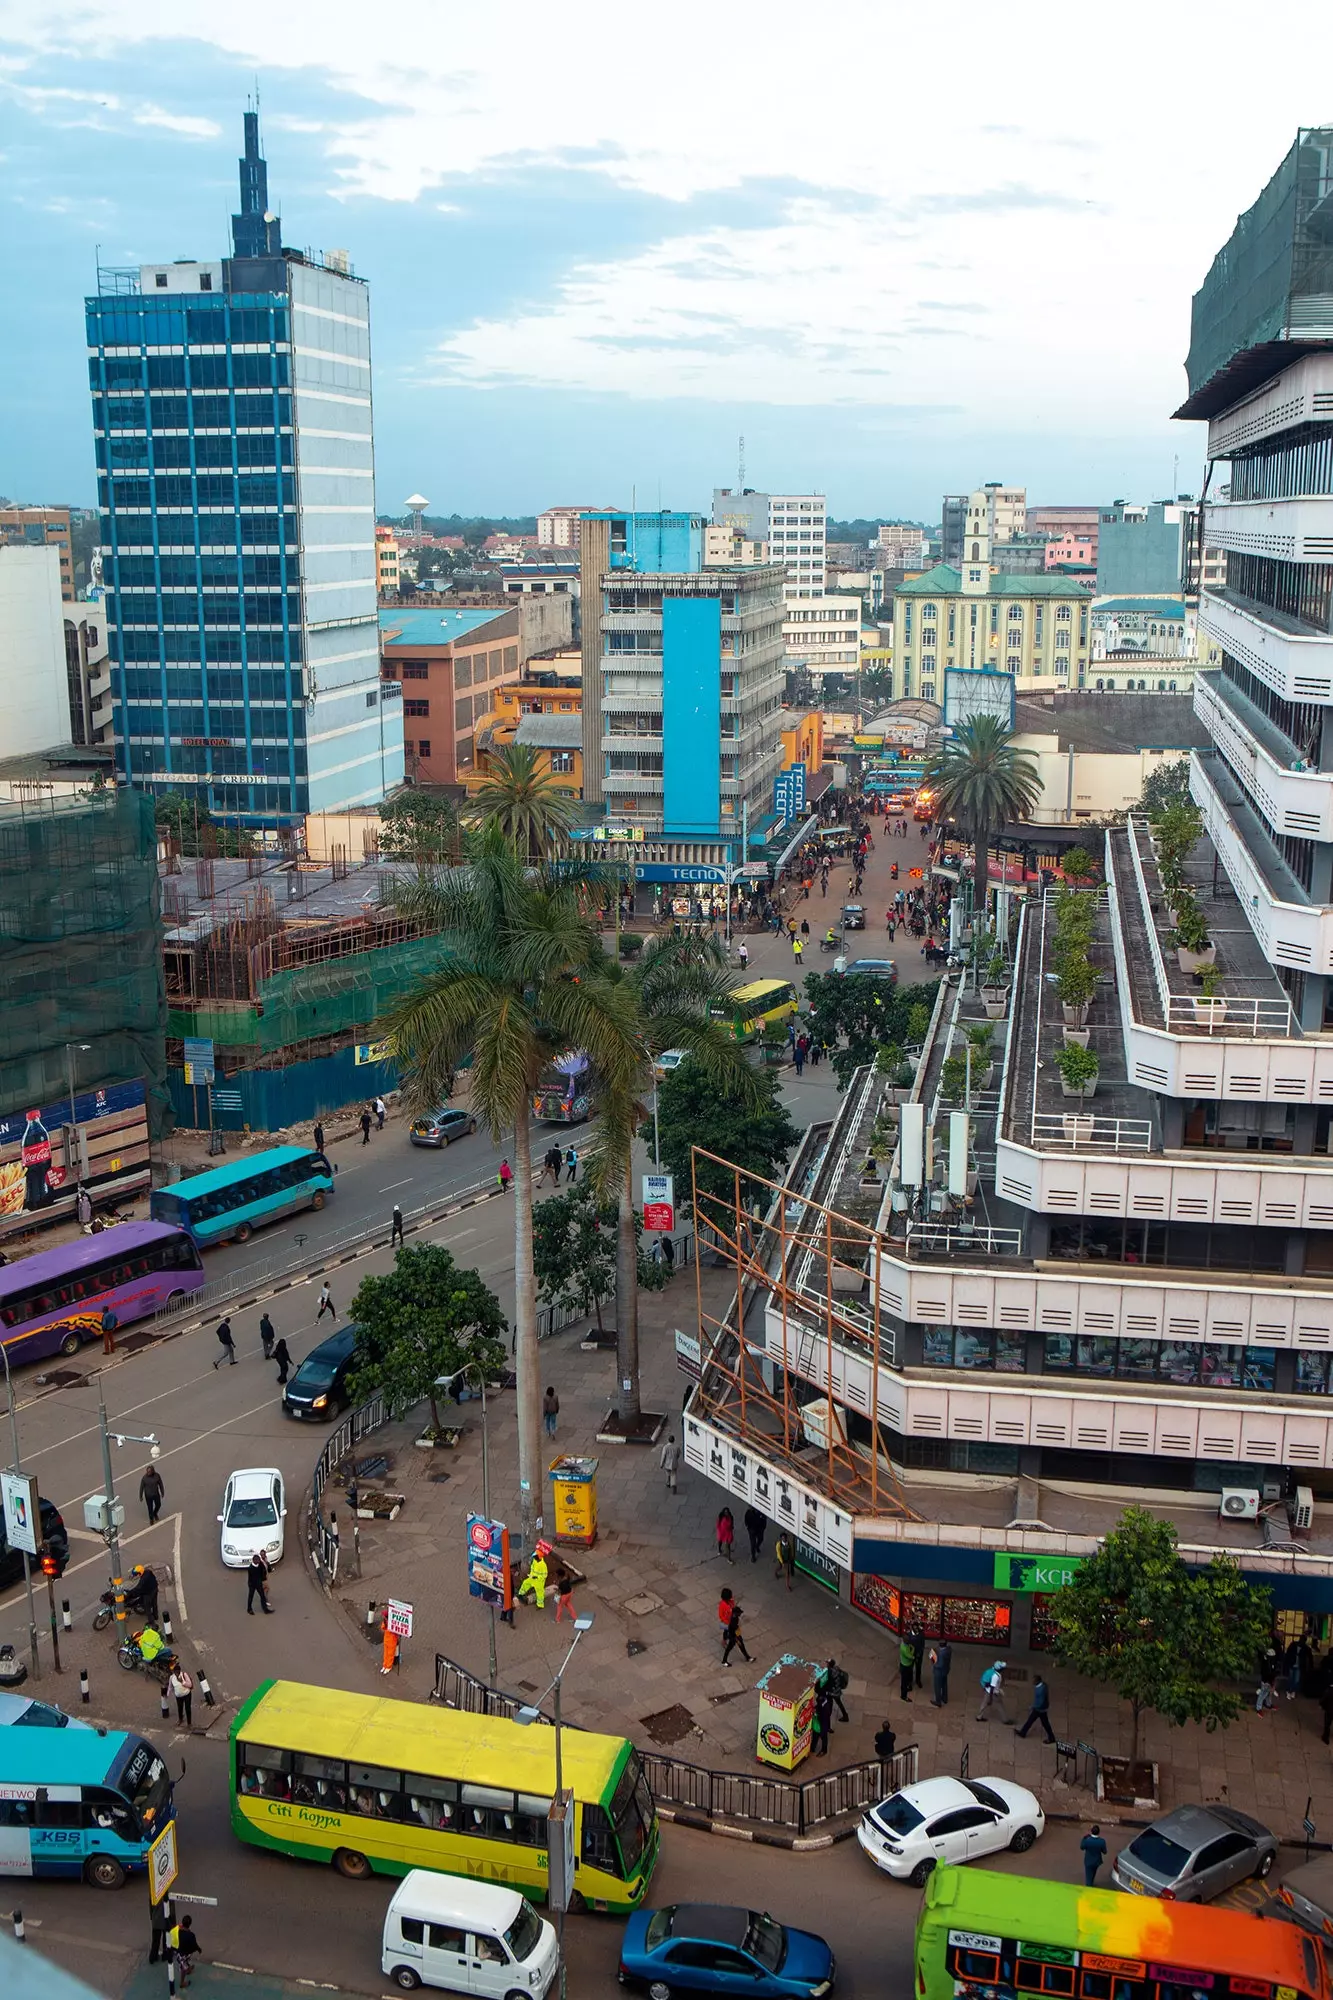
(112, 1528)
(27, 1561)
(470, 1368)
(533, 1714)
(82, 1048)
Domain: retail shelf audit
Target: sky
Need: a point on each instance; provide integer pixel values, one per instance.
(900, 251)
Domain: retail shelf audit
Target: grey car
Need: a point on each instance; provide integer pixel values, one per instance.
(1194, 1853)
(439, 1128)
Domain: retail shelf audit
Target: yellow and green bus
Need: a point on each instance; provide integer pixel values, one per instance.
(379, 1787)
(986, 1936)
(748, 1010)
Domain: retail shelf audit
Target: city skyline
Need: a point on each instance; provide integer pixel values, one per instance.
(596, 286)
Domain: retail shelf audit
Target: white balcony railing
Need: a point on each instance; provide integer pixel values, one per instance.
(1079, 1129)
(1287, 530)
(1296, 665)
(962, 1240)
(1293, 800)
(1294, 934)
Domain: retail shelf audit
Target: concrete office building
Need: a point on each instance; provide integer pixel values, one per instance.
(558, 527)
(903, 546)
(682, 684)
(42, 527)
(1005, 510)
(792, 524)
(823, 635)
(232, 417)
(1139, 1295)
(34, 700)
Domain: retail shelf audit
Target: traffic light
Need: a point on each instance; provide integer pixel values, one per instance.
(50, 1564)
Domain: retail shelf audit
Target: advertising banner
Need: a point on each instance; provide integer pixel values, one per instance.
(44, 1154)
(488, 1561)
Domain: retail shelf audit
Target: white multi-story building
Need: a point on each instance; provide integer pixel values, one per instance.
(1124, 1293)
(904, 546)
(822, 634)
(34, 710)
(794, 526)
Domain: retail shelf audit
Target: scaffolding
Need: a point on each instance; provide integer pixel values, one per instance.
(80, 952)
(807, 1291)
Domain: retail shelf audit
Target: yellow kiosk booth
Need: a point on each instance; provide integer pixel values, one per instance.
(575, 1483)
(786, 1712)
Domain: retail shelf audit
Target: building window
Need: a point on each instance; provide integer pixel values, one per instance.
(929, 612)
(1063, 615)
(160, 280)
(974, 576)
(205, 281)
(423, 746)
(928, 690)
(415, 670)
(1014, 664)
(562, 762)
(416, 708)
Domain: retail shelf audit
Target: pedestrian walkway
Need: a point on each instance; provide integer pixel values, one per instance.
(651, 1666)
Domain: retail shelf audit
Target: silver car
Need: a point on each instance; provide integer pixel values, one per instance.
(1194, 1853)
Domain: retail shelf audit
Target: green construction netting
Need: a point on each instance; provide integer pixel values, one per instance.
(1275, 271)
(80, 948)
(313, 1000)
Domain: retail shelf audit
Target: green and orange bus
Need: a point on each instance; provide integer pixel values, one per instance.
(986, 1936)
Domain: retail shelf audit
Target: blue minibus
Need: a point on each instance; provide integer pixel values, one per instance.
(86, 1803)
(230, 1203)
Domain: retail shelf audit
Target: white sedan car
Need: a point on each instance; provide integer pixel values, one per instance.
(253, 1512)
(948, 1819)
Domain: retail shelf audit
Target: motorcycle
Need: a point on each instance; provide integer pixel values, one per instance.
(830, 944)
(160, 1667)
(143, 1606)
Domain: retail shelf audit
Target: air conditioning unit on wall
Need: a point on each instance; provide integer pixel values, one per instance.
(1301, 1509)
(1239, 1503)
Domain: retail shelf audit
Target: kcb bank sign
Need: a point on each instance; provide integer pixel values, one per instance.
(1029, 1573)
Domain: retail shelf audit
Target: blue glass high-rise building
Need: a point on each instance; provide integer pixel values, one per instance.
(232, 417)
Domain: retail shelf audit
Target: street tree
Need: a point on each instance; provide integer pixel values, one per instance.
(513, 989)
(524, 801)
(1168, 1639)
(420, 826)
(426, 1318)
(752, 1129)
(574, 1244)
(675, 995)
(1166, 784)
(868, 1013)
(981, 781)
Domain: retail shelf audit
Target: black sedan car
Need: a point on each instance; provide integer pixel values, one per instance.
(853, 917)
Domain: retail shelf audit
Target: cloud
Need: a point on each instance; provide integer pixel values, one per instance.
(175, 121)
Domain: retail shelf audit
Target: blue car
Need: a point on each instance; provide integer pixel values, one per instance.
(712, 1948)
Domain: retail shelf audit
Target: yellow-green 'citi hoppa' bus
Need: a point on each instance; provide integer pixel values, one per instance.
(379, 1787)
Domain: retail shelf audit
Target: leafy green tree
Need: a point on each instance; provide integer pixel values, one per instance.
(574, 1244)
(513, 990)
(1166, 1638)
(1167, 784)
(752, 1129)
(196, 832)
(981, 781)
(425, 1318)
(868, 1013)
(524, 801)
(420, 826)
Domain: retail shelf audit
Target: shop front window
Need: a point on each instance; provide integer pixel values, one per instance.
(1312, 1373)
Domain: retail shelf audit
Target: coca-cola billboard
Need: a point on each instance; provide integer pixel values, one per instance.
(47, 1156)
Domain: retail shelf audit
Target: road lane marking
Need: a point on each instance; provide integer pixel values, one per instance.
(180, 1586)
(396, 1184)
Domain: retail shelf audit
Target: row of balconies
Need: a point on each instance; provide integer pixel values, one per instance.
(1293, 934)
(1152, 1420)
(1298, 802)
(1296, 663)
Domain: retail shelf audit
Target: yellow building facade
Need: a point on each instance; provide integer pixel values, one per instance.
(547, 717)
(1037, 628)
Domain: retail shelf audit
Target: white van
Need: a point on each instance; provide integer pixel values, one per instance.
(467, 1937)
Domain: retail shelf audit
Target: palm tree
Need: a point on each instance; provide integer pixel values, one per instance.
(514, 989)
(522, 799)
(668, 996)
(980, 781)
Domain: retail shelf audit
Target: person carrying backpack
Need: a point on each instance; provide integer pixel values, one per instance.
(992, 1693)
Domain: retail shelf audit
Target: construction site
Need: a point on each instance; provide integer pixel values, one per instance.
(276, 969)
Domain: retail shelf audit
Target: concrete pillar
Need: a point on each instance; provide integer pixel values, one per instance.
(1294, 1264)
(1039, 1236)
(1314, 987)
(1172, 1112)
(1303, 1128)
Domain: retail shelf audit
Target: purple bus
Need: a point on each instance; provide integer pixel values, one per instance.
(52, 1302)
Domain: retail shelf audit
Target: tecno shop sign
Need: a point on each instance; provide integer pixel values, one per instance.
(1028, 1573)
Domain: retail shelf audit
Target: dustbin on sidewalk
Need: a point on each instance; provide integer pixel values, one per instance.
(786, 1712)
(575, 1483)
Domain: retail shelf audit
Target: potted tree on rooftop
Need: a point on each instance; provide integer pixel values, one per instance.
(1210, 1011)
(1078, 1069)
(1076, 984)
(1194, 947)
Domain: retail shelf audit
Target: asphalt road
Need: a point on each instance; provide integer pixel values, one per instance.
(296, 1920)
